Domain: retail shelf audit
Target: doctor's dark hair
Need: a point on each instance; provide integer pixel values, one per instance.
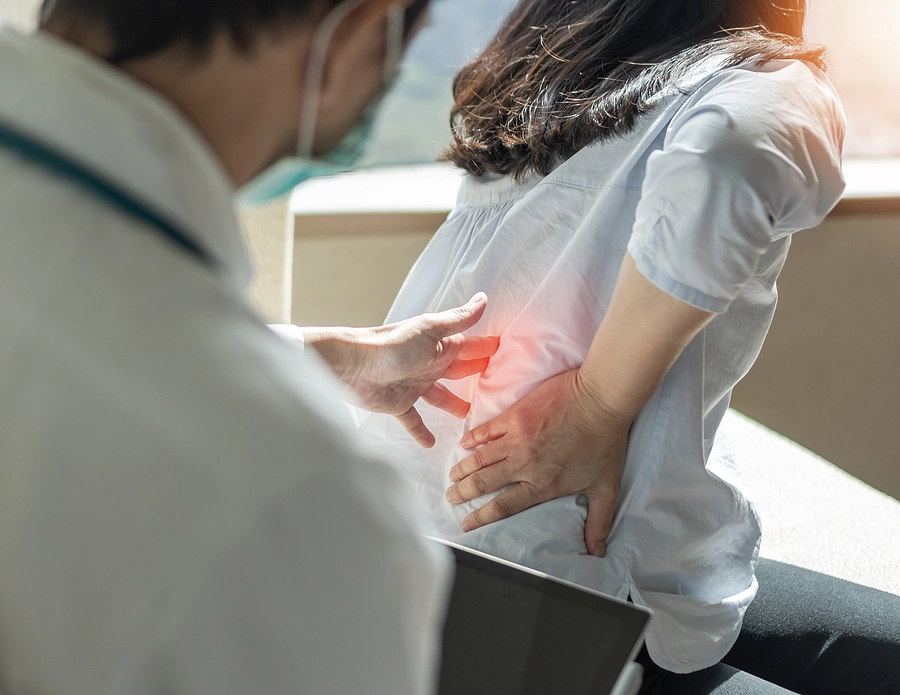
(563, 74)
(140, 28)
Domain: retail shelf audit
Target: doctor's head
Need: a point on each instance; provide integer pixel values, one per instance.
(259, 79)
(562, 74)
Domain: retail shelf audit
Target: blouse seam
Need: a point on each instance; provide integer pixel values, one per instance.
(655, 444)
(567, 184)
(679, 290)
(585, 187)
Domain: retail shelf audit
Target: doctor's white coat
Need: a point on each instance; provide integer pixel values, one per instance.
(182, 507)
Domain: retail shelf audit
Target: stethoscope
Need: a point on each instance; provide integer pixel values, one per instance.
(102, 189)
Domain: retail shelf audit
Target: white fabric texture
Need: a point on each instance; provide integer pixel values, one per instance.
(705, 193)
(290, 333)
(184, 505)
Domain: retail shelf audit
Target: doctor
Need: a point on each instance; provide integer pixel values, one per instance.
(183, 508)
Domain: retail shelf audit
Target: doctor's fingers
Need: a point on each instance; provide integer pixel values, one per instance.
(456, 320)
(518, 498)
(471, 347)
(459, 369)
(442, 398)
(412, 423)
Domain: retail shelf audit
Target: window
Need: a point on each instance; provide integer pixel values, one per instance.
(19, 13)
(864, 54)
(413, 125)
(863, 49)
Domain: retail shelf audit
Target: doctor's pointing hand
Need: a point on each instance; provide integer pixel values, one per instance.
(391, 367)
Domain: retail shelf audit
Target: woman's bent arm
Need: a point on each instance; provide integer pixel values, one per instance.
(569, 435)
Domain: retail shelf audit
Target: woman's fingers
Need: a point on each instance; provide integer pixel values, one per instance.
(597, 527)
(442, 398)
(539, 449)
(484, 457)
(459, 369)
(412, 423)
(489, 479)
(488, 432)
(517, 499)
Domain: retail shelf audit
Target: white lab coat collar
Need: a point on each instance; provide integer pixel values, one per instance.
(125, 133)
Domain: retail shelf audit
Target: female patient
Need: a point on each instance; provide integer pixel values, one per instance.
(635, 170)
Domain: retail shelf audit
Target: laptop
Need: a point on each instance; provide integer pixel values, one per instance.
(513, 631)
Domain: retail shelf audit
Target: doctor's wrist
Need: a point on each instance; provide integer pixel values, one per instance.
(343, 349)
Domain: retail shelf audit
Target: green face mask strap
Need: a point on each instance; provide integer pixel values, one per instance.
(282, 177)
(315, 70)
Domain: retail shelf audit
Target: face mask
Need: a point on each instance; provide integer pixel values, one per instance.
(287, 173)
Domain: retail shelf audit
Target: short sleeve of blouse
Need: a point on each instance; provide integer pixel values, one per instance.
(752, 156)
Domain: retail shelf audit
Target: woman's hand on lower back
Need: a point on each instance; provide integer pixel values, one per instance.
(569, 435)
(556, 441)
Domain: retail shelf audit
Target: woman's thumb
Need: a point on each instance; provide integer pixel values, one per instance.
(601, 508)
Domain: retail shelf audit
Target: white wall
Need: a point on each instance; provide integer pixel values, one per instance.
(20, 13)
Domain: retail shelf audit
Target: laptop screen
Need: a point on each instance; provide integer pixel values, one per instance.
(512, 632)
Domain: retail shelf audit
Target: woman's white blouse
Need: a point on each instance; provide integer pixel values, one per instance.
(704, 194)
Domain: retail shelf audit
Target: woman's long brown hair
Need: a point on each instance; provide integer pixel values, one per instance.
(563, 74)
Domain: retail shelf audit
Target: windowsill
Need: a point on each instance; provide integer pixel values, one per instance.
(414, 199)
(393, 200)
(873, 187)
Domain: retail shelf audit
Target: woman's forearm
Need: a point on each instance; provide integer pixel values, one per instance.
(643, 333)
(570, 435)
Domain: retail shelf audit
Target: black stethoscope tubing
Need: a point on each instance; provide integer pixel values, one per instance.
(33, 151)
